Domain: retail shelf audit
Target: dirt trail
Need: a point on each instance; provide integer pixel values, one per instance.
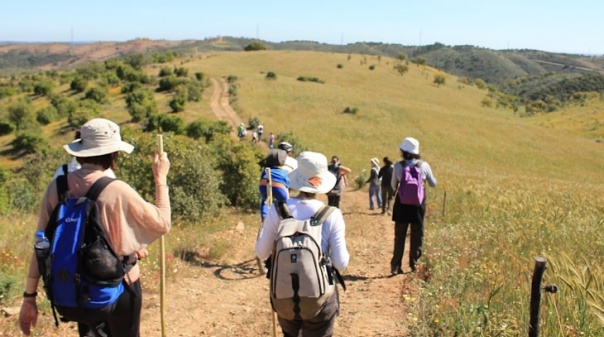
(229, 298)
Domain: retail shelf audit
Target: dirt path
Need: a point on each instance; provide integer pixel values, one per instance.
(219, 102)
(229, 298)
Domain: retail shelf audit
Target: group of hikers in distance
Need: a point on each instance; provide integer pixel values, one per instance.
(302, 240)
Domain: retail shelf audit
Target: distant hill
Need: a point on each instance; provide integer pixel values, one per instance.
(551, 79)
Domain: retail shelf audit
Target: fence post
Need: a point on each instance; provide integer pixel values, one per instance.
(540, 266)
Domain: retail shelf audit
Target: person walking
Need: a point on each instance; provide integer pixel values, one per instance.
(290, 162)
(271, 140)
(341, 173)
(279, 180)
(375, 184)
(385, 175)
(405, 215)
(310, 178)
(130, 223)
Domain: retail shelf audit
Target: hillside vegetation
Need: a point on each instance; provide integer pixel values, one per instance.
(509, 190)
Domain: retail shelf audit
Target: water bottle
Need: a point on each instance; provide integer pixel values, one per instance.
(42, 246)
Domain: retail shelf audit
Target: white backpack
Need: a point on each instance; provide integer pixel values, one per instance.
(302, 277)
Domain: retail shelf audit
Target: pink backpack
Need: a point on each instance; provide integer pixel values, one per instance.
(411, 186)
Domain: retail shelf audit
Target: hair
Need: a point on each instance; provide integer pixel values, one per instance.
(409, 156)
(106, 161)
(387, 161)
(307, 195)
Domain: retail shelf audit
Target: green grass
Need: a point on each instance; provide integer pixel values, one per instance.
(515, 190)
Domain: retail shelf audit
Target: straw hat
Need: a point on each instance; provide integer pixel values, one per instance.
(312, 175)
(375, 161)
(98, 137)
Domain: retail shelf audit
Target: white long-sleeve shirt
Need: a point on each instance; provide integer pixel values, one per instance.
(333, 230)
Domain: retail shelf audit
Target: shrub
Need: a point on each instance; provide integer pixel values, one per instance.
(372, 67)
(253, 122)
(181, 72)
(339, 66)
(351, 110)
(6, 128)
(309, 79)
(271, 76)
(168, 83)
(165, 71)
(207, 130)
(255, 45)
(96, 94)
(401, 68)
(47, 115)
(439, 80)
(29, 143)
(200, 76)
(43, 89)
(78, 84)
(178, 102)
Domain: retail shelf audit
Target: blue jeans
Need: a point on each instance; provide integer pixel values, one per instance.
(375, 191)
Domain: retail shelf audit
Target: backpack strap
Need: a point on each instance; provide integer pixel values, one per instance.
(322, 214)
(98, 187)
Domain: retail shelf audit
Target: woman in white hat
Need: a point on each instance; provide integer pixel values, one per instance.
(130, 222)
(310, 178)
(406, 212)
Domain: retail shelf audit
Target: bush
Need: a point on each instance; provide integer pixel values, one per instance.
(6, 128)
(351, 110)
(200, 76)
(29, 143)
(194, 182)
(47, 115)
(165, 71)
(78, 84)
(271, 76)
(178, 102)
(255, 45)
(207, 130)
(340, 66)
(253, 122)
(97, 94)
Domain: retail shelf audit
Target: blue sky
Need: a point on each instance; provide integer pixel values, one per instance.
(575, 26)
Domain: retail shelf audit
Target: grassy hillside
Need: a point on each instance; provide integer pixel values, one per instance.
(510, 188)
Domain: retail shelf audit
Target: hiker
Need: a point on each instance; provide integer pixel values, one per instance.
(385, 175)
(404, 215)
(241, 132)
(290, 162)
(341, 173)
(254, 137)
(271, 140)
(260, 131)
(310, 178)
(279, 180)
(375, 184)
(129, 222)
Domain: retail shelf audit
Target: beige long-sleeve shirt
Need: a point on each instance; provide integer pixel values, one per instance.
(130, 222)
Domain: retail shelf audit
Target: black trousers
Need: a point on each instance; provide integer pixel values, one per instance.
(123, 321)
(334, 200)
(405, 217)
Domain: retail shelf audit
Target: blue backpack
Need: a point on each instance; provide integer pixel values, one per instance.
(82, 274)
(411, 186)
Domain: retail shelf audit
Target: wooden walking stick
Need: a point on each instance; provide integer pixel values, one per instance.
(162, 261)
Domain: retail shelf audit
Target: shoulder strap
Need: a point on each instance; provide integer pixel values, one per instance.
(98, 187)
(322, 214)
(65, 169)
(62, 187)
(282, 210)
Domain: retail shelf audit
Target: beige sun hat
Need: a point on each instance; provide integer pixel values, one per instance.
(312, 175)
(410, 145)
(98, 137)
(375, 161)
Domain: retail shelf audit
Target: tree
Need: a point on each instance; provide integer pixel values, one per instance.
(20, 114)
(255, 45)
(401, 68)
(439, 79)
(78, 84)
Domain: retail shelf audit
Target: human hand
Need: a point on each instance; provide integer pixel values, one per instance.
(141, 254)
(161, 167)
(28, 316)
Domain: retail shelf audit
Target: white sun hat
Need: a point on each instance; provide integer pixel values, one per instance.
(410, 145)
(99, 136)
(312, 175)
(375, 161)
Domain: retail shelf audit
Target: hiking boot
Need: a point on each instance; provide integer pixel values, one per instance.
(396, 270)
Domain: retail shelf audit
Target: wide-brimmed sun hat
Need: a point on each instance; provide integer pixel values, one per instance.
(375, 161)
(312, 175)
(98, 137)
(410, 145)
